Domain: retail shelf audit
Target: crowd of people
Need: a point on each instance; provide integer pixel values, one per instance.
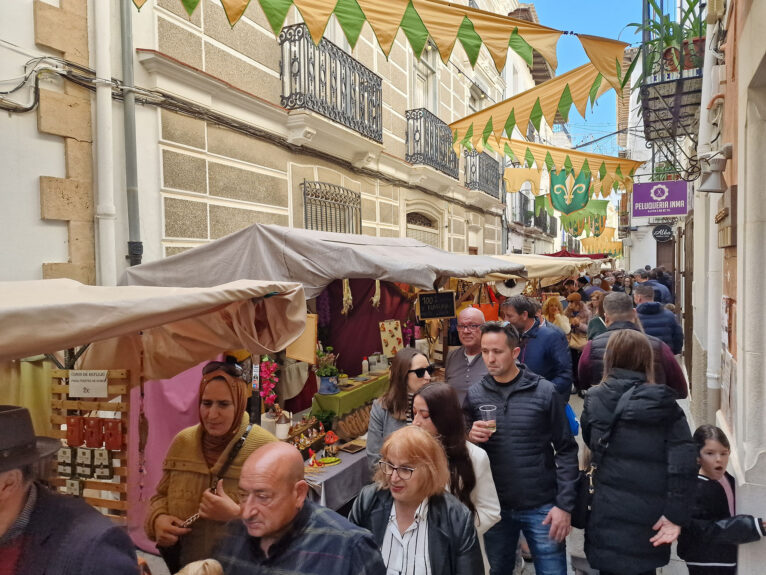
(461, 469)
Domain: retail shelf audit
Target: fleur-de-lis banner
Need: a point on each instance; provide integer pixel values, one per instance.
(569, 194)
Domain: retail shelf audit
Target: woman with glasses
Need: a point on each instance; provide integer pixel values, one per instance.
(199, 474)
(419, 527)
(410, 370)
(436, 410)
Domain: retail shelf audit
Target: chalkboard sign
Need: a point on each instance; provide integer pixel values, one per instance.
(436, 305)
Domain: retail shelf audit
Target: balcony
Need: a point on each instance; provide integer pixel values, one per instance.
(429, 142)
(482, 172)
(330, 82)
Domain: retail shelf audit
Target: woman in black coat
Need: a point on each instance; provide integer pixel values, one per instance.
(645, 480)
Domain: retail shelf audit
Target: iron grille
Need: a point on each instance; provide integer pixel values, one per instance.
(331, 208)
(482, 172)
(429, 142)
(327, 80)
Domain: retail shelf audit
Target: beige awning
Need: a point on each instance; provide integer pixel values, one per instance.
(443, 22)
(164, 329)
(546, 267)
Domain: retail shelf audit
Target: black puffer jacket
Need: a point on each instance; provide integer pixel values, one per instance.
(648, 471)
(532, 454)
(662, 324)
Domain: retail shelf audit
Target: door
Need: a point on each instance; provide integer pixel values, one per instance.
(666, 255)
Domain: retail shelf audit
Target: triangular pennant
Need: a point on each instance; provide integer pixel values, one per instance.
(190, 6)
(415, 30)
(470, 41)
(351, 20)
(139, 3)
(442, 25)
(275, 12)
(496, 38)
(384, 19)
(521, 47)
(606, 55)
(234, 10)
(315, 14)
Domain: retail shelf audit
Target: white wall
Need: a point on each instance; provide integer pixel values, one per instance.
(26, 241)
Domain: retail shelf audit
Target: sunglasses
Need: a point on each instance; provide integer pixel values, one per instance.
(421, 371)
(232, 369)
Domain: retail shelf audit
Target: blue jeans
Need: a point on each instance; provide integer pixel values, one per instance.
(501, 541)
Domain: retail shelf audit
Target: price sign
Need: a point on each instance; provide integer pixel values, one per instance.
(436, 305)
(88, 383)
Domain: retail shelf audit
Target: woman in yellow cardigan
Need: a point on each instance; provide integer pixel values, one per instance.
(192, 481)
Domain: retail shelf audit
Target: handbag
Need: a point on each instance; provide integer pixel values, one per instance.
(586, 486)
(172, 554)
(577, 340)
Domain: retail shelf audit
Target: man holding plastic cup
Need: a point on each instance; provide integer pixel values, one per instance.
(531, 451)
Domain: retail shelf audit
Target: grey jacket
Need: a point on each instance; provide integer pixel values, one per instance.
(382, 424)
(453, 547)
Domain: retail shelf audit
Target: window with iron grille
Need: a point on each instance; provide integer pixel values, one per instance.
(331, 208)
(422, 228)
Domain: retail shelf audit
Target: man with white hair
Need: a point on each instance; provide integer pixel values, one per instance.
(464, 365)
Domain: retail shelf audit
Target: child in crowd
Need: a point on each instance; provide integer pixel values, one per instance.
(709, 543)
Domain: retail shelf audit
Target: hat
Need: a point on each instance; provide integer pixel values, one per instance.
(511, 287)
(18, 444)
(574, 297)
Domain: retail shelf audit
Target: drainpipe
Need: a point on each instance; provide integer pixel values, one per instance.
(714, 273)
(106, 215)
(135, 246)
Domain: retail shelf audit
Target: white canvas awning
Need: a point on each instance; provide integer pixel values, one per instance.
(168, 329)
(314, 259)
(550, 270)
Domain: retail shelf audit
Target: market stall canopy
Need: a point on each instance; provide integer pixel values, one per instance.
(170, 329)
(443, 22)
(568, 254)
(314, 259)
(540, 266)
(556, 96)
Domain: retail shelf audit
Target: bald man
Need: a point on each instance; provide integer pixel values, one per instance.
(281, 531)
(464, 365)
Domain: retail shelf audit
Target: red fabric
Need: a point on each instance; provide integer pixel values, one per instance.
(303, 399)
(357, 335)
(9, 555)
(566, 254)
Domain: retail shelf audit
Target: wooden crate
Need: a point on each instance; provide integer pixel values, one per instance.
(117, 400)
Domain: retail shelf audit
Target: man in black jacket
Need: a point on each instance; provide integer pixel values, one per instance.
(532, 454)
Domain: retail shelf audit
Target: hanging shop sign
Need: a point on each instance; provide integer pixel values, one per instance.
(660, 198)
(662, 233)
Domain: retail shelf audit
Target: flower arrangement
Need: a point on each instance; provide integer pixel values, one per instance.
(269, 381)
(326, 359)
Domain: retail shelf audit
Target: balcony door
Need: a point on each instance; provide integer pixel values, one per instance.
(425, 80)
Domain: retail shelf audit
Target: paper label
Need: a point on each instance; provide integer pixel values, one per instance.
(88, 383)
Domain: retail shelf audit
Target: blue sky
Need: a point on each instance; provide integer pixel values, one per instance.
(599, 18)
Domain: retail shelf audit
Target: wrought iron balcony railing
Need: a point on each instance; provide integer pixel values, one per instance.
(429, 142)
(327, 80)
(482, 172)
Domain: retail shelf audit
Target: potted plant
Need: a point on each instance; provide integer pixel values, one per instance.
(327, 371)
(669, 44)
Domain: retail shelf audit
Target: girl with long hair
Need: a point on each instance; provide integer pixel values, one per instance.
(410, 370)
(436, 409)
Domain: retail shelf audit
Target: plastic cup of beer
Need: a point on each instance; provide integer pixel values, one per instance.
(488, 415)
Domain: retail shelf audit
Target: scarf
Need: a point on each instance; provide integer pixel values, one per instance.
(212, 446)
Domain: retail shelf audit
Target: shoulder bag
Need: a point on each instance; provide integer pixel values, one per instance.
(586, 479)
(172, 554)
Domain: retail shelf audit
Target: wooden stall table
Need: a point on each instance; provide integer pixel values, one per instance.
(346, 401)
(336, 485)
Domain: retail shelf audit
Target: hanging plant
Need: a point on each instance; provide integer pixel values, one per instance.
(268, 381)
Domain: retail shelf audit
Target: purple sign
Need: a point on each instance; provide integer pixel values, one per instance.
(660, 198)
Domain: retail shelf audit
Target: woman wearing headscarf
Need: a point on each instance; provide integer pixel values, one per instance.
(199, 474)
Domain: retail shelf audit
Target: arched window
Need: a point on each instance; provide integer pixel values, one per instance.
(422, 228)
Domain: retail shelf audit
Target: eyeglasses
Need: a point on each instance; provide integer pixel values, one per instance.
(468, 326)
(232, 369)
(404, 473)
(421, 371)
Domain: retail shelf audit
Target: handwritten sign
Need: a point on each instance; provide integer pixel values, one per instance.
(436, 305)
(88, 383)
